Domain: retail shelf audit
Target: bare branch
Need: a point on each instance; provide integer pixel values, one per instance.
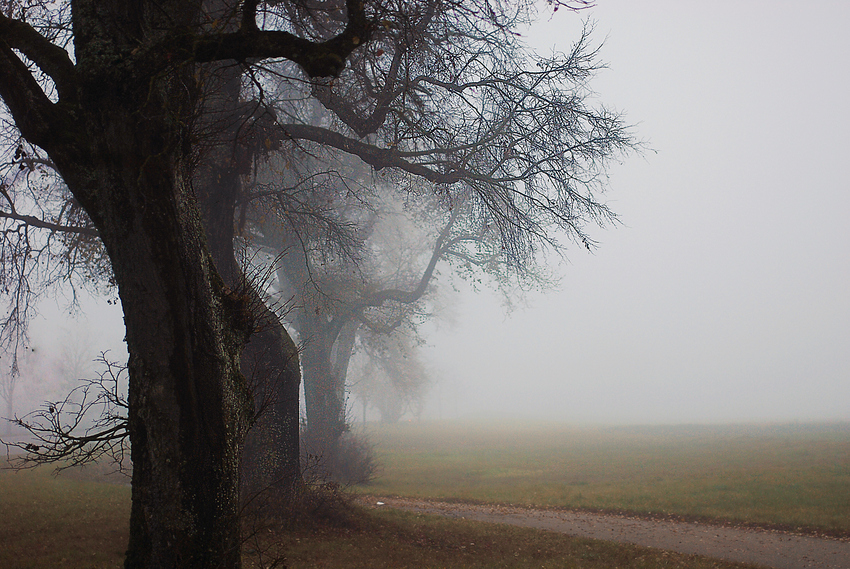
(66, 434)
(55, 227)
(375, 156)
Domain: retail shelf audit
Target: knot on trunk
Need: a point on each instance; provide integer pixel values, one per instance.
(239, 307)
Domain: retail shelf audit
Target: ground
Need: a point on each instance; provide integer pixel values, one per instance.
(769, 547)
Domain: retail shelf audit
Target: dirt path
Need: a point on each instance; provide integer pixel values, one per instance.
(765, 547)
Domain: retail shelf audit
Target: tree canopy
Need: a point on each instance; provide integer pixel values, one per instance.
(144, 118)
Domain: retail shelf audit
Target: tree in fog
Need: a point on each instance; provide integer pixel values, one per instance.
(437, 92)
(342, 267)
(449, 104)
(21, 373)
(354, 259)
(9, 377)
(118, 123)
(76, 355)
(389, 376)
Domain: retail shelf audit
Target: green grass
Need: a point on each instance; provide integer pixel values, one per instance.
(791, 475)
(398, 540)
(60, 522)
(798, 476)
(48, 522)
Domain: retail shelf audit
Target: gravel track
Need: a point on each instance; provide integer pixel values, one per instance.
(770, 548)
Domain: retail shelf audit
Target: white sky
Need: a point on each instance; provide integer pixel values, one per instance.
(725, 296)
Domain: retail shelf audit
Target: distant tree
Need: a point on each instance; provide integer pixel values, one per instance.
(9, 377)
(389, 376)
(76, 355)
(348, 262)
(477, 120)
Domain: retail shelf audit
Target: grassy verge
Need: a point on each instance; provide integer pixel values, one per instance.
(398, 540)
(790, 475)
(64, 522)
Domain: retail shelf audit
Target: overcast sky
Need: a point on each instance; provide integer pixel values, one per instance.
(726, 294)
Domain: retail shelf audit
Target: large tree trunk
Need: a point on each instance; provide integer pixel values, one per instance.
(322, 400)
(270, 458)
(188, 401)
(118, 122)
(189, 404)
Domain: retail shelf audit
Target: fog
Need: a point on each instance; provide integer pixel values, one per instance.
(723, 295)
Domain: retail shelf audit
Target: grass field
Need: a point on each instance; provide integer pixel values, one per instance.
(792, 475)
(61, 522)
(48, 522)
(781, 475)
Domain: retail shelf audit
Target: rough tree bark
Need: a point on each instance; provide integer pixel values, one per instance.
(189, 403)
(271, 455)
(121, 135)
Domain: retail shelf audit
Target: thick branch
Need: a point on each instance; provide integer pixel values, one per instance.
(377, 157)
(324, 59)
(54, 227)
(30, 107)
(366, 125)
(50, 58)
(249, 15)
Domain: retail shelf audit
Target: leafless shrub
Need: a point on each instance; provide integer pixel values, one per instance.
(348, 460)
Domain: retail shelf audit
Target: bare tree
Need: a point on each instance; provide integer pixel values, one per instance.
(447, 103)
(348, 263)
(390, 376)
(359, 257)
(8, 381)
(452, 100)
(438, 91)
(76, 355)
(117, 122)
